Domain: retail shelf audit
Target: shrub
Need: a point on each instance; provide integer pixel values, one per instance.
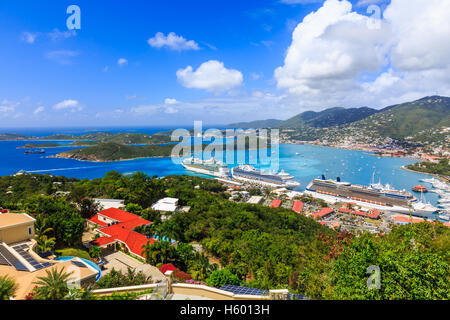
(219, 278)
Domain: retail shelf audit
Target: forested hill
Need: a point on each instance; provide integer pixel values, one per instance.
(112, 151)
(408, 119)
(270, 123)
(327, 118)
(98, 137)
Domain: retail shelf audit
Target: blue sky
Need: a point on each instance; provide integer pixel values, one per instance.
(109, 73)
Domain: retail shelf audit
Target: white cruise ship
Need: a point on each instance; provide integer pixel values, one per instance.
(210, 167)
(373, 196)
(248, 173)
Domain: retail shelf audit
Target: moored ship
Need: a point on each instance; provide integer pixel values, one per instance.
(375, 196)
(34, 151)
(210, 167)
(248, 173)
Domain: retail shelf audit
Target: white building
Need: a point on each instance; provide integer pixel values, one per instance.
(166, 205)
(110, 203)
(255, 200)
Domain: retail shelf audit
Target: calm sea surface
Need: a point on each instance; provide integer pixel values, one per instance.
(304, 162)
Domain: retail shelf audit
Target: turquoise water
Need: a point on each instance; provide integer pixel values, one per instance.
(92, 264)
(304, 162)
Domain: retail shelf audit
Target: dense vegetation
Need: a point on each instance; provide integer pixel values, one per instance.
(253, 245)
(422, 121)
(112, 151)
(270, 123)
(443, 167)
(327, 118)
(98, 137)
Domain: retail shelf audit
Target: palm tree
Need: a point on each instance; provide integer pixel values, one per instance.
(147, 253)
(200, 266)
(7, 287)
(95, 252)
(158, 252)
(79, 294)
(53, 286)
(45, 244)
(40, 226)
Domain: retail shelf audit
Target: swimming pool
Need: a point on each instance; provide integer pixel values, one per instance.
(92, 264)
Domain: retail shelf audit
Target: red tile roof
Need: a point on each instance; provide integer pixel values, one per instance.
(322, 213)
(102, 241)
(298, 206)
(360, 213)
(95, 220)
(133, 240)
(118, 215)
(275, 203)
(345, 210)
(122, 231)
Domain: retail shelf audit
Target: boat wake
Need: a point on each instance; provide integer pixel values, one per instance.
(61, 169)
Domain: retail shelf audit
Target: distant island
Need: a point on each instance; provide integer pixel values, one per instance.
(57, 145)
(93, 138)
(112, 151)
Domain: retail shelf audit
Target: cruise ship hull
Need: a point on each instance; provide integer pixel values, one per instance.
(205, 171)
(414, 208)
(250, 175)
(267, 183)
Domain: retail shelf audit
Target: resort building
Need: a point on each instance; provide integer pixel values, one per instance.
(275, 203)
(110, 203)
(323, 213)
(16, 227)
(116, 226)
(297, 206)
(255, 200)
(20, 262)
(166, 205)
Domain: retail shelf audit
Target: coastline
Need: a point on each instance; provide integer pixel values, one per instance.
(445, 180)
(106, 161)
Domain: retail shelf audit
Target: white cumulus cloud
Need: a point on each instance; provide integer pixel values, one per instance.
(172, 41)
(29, 37)
(122, 62)
(73, 105)
(170, 101)
(38, 110)
(211, 75)
(341, 58)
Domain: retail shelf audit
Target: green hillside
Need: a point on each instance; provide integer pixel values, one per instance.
(112, 151)
(256, 124)
(327, 118)
(407, 119)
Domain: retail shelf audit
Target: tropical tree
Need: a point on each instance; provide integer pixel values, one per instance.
(79, 294)
(53, 286)
(45, 244)
(200, 268)
(158, 252)
(95, 252)
(7, 287)
(219, 278)
(88, 208)
(41, 226)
